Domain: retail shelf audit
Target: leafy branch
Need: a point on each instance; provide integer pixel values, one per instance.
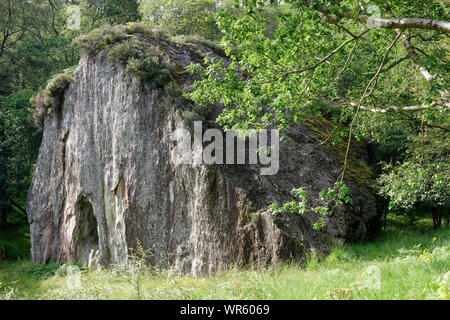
(332, 199)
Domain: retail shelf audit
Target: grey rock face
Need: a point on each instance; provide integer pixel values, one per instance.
(104, 180)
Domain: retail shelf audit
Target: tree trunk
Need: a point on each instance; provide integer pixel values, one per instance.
(382, 210)
(437, 217)
(3, 253)
(3, 181)
(3, 219)
(4, 207)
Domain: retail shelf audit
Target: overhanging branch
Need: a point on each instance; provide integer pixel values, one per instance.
(335, 16)
(413, 55)
(329, 55)
(405, 23)
(396, 109)
(385, 69)
(444, 101)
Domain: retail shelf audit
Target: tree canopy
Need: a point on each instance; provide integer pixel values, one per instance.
(377, 68)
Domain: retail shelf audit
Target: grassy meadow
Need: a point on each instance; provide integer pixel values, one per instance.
(404, 263)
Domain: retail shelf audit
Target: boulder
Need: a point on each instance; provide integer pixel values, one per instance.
(104, 180)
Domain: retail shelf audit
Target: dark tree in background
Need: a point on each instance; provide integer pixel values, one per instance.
(19, 146)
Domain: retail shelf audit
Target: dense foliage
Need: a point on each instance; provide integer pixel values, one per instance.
(378, 80)
(179, 17)
(19, 143)
(386, 85)
(414, 264)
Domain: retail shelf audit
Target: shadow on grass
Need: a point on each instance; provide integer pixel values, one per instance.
(17, 241)
(400, 236)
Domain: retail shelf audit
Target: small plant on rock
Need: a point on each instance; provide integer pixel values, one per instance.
(126, 47)
(51, 98)
(99, 39)
(145, 30)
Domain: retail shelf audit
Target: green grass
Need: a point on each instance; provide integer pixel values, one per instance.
(413, 263)
(16, 237)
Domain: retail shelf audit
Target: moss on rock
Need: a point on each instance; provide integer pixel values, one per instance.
(200, 41)
(51, 98)
(125, 45)
(146, 62)
(99, 39)
(322, 130)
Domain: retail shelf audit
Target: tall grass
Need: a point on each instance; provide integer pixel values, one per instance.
(404, 263)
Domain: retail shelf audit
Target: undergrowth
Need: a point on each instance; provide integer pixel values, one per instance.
(51, 98)
(125, 46)
(198, 40)
(404, 263)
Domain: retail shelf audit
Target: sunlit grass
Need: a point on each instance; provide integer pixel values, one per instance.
(412, 264)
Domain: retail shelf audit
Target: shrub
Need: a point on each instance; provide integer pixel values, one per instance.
(40, 110)
(51, 97)
(198, 40)
(148, 63)
(42, 271)
(150, 67)
(55, 89)
(123, 52)
(99, 39)
(137, 268)
(145, 61)
(145, 30)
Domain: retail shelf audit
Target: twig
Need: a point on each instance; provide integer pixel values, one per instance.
(365, 94)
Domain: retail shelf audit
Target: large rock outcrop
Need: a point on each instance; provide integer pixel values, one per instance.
(104, 180)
